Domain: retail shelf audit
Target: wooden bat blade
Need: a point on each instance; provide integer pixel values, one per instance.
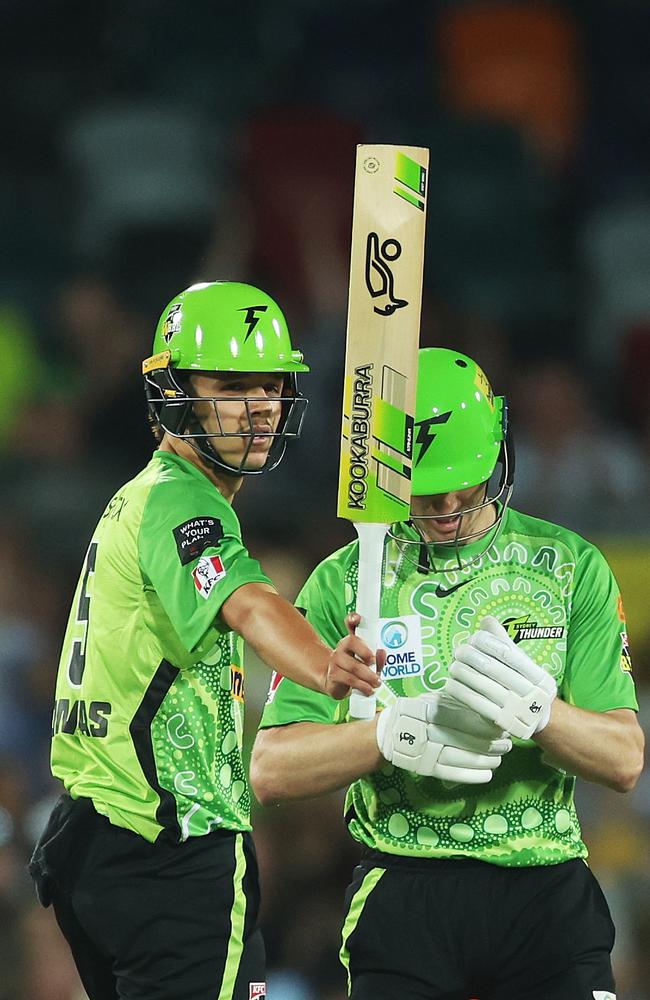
(381, 361)
(383, 329)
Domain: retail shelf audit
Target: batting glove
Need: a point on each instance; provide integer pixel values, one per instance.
(495, 678)
(433, 735)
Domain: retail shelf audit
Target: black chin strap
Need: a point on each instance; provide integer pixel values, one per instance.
(424, 563)
(194, 427)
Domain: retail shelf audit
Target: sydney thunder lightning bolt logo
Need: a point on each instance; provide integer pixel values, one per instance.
(426, 435)
(250, 319)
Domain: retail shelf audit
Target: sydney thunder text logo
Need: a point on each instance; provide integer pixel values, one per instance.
(523, 628)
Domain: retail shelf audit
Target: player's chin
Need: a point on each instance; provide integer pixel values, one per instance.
(256, 459)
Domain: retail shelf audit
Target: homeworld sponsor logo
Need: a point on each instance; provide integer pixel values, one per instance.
(523, 628)
(403, 657)
(394, 634)
(360, 420)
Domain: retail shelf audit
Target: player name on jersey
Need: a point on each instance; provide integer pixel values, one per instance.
(88, 718)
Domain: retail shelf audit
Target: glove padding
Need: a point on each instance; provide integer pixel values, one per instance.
(433, 735)
(495, 678)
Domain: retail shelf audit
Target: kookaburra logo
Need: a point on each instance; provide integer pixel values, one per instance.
(380, 280)
(407, 738)
(250, 319)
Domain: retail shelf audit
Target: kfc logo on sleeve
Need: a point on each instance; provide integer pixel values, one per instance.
(256, 991)
(208, 571)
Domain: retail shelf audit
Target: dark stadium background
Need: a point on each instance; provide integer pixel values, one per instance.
(146, 145)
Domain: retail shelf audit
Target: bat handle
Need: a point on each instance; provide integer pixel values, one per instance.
(371, 557)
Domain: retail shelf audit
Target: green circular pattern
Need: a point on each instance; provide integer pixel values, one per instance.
(521, 821)
(531, 818)
(461, 832)
(563, 821)
(213, 658)
(237, 790)
(398, 825)
(534, 593)
(496, 825)
(426, 836)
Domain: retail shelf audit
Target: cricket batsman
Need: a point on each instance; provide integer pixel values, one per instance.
(507, 675)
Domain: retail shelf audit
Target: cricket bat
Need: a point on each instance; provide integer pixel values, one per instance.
(381, 361)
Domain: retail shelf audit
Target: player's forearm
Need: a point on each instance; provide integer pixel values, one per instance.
(279, 634)
(605, 747)
(293, 649)
(305, 759)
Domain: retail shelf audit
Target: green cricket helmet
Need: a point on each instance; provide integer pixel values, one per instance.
(221, 326)
(460, 436)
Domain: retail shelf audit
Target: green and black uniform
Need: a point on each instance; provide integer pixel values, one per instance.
(147, 726)
(555, 594)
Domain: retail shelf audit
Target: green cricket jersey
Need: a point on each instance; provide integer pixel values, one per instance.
(148, 716)
(556, 596)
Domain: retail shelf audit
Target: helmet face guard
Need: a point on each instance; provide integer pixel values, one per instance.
(461, 436)
(222, 327)
(175, 415)
(435, 556)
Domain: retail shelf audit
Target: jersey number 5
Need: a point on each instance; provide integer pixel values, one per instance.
(78, 657)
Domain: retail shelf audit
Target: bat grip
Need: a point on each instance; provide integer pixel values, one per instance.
(371, 557)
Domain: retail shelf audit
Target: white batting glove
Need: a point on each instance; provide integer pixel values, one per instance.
(435, 736)
(494, 677)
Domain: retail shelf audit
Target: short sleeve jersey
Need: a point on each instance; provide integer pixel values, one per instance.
(148, 714)
(556, 596)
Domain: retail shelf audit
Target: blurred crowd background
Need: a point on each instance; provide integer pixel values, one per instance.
(148, 144)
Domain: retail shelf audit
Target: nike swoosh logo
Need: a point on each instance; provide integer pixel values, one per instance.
(445, 593)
